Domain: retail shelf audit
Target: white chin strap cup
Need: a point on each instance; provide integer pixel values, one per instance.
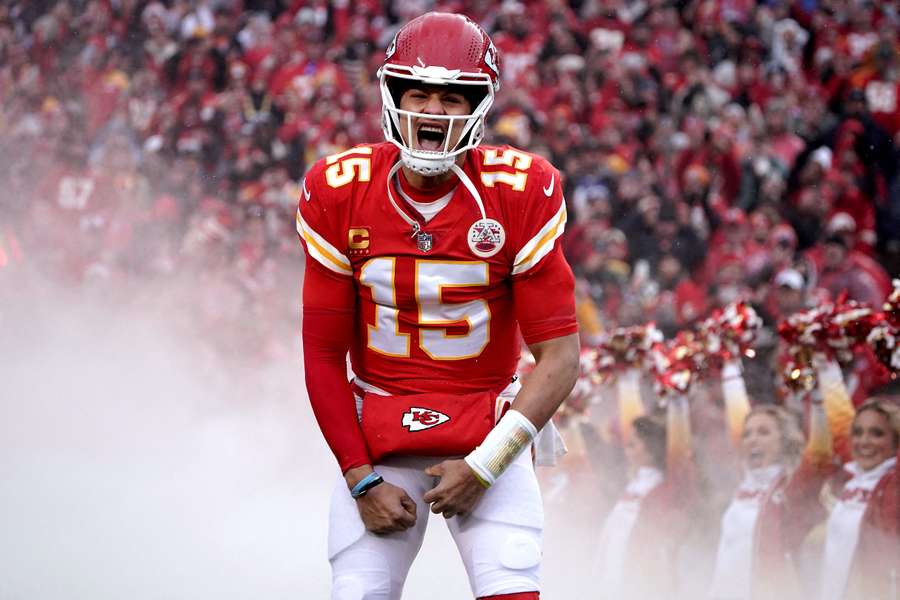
(426, 167)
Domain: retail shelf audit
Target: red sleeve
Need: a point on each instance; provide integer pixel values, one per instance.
(544, 299)
(542, 282)
(329, 307)
(537, 217)
(319, 219)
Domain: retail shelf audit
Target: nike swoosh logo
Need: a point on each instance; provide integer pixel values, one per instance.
(548, 191)
(306, 192)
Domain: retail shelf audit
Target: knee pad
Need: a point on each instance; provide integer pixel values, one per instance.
(506, 562)
(361, 576)
(520, 551)
(347, 587)
(360, 587)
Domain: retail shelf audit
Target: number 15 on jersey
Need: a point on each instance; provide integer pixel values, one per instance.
(432, 314)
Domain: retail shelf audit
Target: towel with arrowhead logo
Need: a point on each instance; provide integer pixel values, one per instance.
(419, 419)
(429, 424)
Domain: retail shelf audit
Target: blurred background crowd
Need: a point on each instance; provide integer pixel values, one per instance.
(713, 150)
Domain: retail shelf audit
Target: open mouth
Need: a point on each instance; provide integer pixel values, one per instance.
(431, 137)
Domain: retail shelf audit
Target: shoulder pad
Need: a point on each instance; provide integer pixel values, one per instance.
(339, 175)
(508, 168)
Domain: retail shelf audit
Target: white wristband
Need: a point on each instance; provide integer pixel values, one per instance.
(501, 447)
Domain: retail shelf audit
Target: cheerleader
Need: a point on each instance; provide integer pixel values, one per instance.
(862, 548)
(638, 541)
(774, 506)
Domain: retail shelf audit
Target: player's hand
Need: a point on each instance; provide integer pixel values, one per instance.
(457, 492)
(387, 508)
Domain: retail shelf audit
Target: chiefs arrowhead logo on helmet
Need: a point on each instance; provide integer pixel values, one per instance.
(391, 49)
(492, 60)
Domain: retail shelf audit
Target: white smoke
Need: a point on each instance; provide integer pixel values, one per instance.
(130, 469)
(133, 465)
(126, 471)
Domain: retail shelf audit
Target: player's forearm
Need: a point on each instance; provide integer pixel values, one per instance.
(329, 394)
(550, 328)
(329, 307)
(551, 381)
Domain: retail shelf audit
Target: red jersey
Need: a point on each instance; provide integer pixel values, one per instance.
(437, 309)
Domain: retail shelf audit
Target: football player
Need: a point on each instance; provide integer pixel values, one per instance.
(426, 256)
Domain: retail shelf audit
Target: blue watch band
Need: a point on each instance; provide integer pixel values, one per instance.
(365, 484)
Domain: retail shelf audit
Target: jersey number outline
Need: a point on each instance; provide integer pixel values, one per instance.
(434, 316)
(346, 167)
(510, 157)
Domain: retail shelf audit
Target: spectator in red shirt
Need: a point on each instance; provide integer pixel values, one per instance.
(681, 300)
(842, 225)
(731, 242)
(785, 145)
(788, 295)
(839, 274)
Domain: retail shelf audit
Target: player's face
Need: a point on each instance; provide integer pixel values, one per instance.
(761, 442)
(873, 439)
(431, 134)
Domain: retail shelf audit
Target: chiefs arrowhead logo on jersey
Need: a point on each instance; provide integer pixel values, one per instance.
(418, 419)
(486, 237)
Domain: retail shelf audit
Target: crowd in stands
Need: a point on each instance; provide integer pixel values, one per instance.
(712, 150)
(151, 151)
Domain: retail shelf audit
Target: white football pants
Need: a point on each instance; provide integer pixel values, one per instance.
(499, 542)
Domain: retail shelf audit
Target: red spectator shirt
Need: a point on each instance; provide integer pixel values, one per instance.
(431, 312)
(519, 55)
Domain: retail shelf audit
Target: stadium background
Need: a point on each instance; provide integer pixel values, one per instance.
(150, 158)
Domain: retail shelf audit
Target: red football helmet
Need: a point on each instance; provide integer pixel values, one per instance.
(439, 49)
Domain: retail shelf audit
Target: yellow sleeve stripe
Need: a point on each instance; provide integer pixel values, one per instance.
(321, 250)
(542, 243)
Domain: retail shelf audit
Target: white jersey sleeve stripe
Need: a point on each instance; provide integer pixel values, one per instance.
(542, 243)
(321, 250)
